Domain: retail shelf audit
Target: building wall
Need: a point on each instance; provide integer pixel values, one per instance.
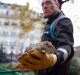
(10, 31)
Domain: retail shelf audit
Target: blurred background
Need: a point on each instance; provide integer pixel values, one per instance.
(21, 19)
(15, 34)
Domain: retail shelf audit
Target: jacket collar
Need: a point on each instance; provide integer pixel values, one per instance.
(54, 16)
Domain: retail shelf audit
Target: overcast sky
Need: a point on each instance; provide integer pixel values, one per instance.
(34, 4)
(71, 10)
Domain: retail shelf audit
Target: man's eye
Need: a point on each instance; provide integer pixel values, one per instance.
(42, 4)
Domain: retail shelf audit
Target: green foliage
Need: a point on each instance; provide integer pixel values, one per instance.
(74, 67)
(26, 16)
(72, 1)
(8, 66)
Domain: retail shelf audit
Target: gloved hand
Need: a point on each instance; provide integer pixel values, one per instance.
(37, 60)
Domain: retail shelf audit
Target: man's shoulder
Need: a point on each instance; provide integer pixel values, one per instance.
(64, 19)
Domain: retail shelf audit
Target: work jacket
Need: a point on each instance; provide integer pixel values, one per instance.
(63, 39)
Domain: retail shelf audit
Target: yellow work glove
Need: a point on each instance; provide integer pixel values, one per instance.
(37, 60)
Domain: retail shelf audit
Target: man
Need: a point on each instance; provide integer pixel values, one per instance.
(63, 38)
(53, 64)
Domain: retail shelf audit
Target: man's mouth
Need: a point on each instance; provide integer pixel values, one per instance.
(46, 12)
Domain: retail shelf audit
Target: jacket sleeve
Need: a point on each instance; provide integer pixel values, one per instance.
(64, 40)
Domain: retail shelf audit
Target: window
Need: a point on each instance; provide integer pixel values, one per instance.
(14, 24)
(5, 33)
(6, 23)
(13, 34)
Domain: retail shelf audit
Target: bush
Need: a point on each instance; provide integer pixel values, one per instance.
(74, 67)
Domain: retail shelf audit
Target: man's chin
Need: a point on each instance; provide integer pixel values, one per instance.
(47, 16)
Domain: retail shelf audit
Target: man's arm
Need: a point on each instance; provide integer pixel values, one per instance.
(64, 40)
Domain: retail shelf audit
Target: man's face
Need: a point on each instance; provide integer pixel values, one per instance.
(49, 6)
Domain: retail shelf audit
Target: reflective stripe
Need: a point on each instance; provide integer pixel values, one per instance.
(65, 53)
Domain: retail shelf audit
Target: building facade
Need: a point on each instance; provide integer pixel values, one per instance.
(10, 32)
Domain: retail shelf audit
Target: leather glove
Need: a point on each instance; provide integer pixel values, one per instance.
(37, 60)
